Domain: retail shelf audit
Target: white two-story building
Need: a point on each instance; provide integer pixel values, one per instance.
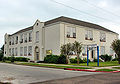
(44, 38)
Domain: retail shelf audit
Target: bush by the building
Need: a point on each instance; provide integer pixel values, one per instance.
(106, 57)
(12, 59)
(55, 59)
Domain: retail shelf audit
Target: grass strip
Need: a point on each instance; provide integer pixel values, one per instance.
(116, 67)
(52, 66)
(107, 70)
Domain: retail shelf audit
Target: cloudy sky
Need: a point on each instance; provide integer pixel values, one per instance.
(19, 14)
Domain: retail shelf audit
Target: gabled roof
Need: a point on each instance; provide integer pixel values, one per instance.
(77, 22)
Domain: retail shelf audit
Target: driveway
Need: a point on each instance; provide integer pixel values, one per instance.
(18, 74)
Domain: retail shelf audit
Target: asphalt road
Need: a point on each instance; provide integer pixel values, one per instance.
(18, 74)
(109, 78)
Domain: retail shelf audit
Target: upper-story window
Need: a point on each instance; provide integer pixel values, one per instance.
(25, 38)
(37, 36)
(71, 32)
(102, 37)
(12, 40)
(21, 38)
(25, 51)
(30, 36)
(89, 35)
(16, 39)
(30, 50)
(102, 50)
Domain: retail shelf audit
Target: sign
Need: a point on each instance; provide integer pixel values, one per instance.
(48, 52)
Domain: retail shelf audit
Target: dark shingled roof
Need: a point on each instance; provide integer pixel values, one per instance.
(23, 30)
(72, 21)
(77, 22)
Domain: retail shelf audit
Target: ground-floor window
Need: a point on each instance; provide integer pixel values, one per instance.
(25, 51)
(30, 50)
(10, 52)
(16, 52)
(102, 50)
(84, 50)
(21, 51)
(111, 52)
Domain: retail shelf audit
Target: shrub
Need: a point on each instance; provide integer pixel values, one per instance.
(115, 59)
(106, 57)
(4, 59)
(72, 60)
(62, 59)
(1, 56)
(12, 59)
(51, 59)
(22, 59)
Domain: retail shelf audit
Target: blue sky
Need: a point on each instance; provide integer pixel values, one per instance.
(19, 14)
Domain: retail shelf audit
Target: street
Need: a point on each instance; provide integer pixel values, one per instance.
(19, 74)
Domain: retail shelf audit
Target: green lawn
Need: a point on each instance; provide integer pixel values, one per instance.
(105, 70)
(101, 64)
(52, 66)
(116, 67)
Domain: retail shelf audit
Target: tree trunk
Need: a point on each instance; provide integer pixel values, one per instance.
(119, 59)
(67, 60)
(78, 59)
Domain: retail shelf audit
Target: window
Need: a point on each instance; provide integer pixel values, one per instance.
(37, 36)
(102, 37)
(84, 51)
(111, 52)
(30, 36)
(71, 32)
(21, 51)
(25, 51)
(15, 51)
(21, 38)
(25, 38)
(37, 24)
(10, 41)
(30, 50)
(16, 39)
(13, 41)
(102, 50)
(10, 52)
(89, 35)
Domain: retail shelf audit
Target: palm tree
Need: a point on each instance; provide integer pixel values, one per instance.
(66, 50)
(77, 48)
(116, 47)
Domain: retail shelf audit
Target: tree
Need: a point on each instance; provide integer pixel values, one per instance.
(1, 52)
(116, 47)
(77, 48)
(66, 51)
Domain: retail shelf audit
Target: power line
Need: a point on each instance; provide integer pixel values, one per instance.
(101, 8)
(83, 11)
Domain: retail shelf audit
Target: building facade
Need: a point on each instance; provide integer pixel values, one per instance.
(44, 38)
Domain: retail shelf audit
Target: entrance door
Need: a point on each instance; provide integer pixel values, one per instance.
(92, 54)
(37, 54)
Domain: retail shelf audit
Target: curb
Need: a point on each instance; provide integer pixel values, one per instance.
(90, 70)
